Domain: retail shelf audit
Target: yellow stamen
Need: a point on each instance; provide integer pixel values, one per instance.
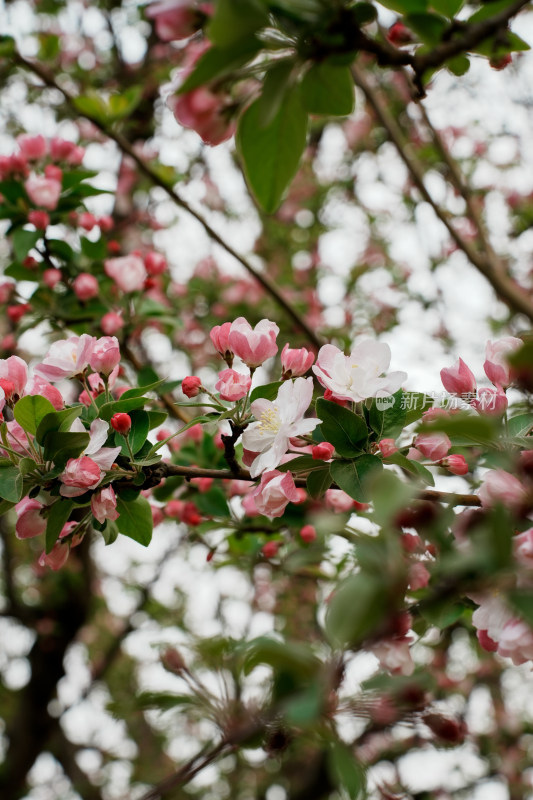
(269, 421)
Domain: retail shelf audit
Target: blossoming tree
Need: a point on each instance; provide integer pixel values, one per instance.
(369, 542)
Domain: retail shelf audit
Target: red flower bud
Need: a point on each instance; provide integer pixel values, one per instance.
(322, 451)
(121, 423)
(191, 386)
(307, 534)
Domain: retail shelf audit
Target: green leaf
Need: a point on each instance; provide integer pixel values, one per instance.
(57, 421)
(135, 519)
(292, 657)
(58, 516)
(364, 13)
(413, 467)
(471, 428)
(140, 426)
(23, 241)
(405, 6)
(346, 771)
(430, 27)
(11, 481)
(156, 418)
(60, 446)
(447, 7)
(357, 609)
(319, 482)
(306, 707)
(415, 403)
(442, 613)
(235, 20)
(121, 406)
(269, 391)
(7, 46)
(271, 154)
(300, 464)
(346, 431)
(219, 61)
(139, 391)
(328, 89)
(91, 105)
(212, 503)
(522, 600)
(121, 105)
(520, 425)
(30, 410)
(275, 85)
(458, 65)
(352, 476)
(388, 420)
(95, 251)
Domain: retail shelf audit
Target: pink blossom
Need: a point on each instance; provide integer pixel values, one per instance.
(40, 219)
(204, 111)
(191, 386)
(155, 263)
(219, 335)
(105, 355)
(80, 475)
(457, 464)
(6, 291)
(308, 534)
(29, 520)
(103, 457)
(253, 345)
(274, 492)
(501, 487)
(394, 655)
(17, 439)
(418, 576)
(496, 365)
(490, 401)
(56, 558)
(67, 358)
(104, 504)
(523, 547)
(38, 385)
(128, 272)
(15, 370)
(232, 385)
(85, 286)
(270, 549)
(87, 221)
(295, 363)
(63, 150)
(277, 422)
(458, 379)
(51, 277)
(44, 192)
(337, 500)
(387, 447)
(516, 642)
(322, 451)
(111, 322)
(433, 445)
(32, 147)
(249, 506)
(357, 376)
(176, 19)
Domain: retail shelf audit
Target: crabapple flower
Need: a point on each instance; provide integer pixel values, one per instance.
(204, 111)
(85, 286)
(232, 385)
(80, 475)
(56, 558)
(458, 379)
(29, 520)
(308, 534)
(176, 19)
(433, 445)
(191, 386)
(111, 322)
(516, 642)
(337, 500)
(104, 457)
(457, 464)
(523, 547)
(357, 376)
(104, 504)
(105, 355)
(14, 370)
(322, 452)
(253, 345)
(128, 272)
(219, 335)
(43, 192)
(277, 422)
(490, 401)
(496, 366)
(32, 147)
(67, 358)
(501, 487)
(274, 493)
(295, 362)
(387, 447)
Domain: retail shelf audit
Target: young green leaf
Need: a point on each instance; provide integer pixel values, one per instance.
(352, 476)
(30, 410)
(346, 431)
(328, 89)
(135, 519)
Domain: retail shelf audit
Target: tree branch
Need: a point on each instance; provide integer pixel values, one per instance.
(158, 180)
(488, 265)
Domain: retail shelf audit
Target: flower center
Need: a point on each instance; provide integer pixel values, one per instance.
(269, 421)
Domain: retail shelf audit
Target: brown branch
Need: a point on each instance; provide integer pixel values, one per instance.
(505, 287)
(153, 175)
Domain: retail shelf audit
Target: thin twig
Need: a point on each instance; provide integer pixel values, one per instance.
(158, 180)
(504, 286)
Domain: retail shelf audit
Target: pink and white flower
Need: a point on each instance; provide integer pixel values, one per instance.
(274, 493)
(500, 486)
(80, 475)
(30, 523)
(232, 385)
(104, 504)
(278, 422)
(43, 192)
(496, 365)
(253, 345)
(458, 379)
(67, 358)
(433, 445)
(128, 272)
(357, 376)
(295, 362)
(105, 355)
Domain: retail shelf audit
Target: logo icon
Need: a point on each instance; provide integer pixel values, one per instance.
(385, 402)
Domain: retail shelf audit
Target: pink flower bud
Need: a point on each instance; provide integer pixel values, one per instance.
(295, 363)
(40, 219)
(30, 523)
(322, 451)
(51, 277)
(105, 355)
(87, 221)
(206, 112)
(457, 464)
(175, 19)
(523, 547)
(490, 401)
(253, 345)
(80, 475)
(270, 549)
(54, 173)
(387, 447)
(111, 322)
(458, 379)
(433, 445)
(32, 148)
(157, 516)
(85, 286)
(274, 492)
(56, 558)
(174, 509)
(191, 386)
(121, 423)
(232, 385)
(501, 487)
(496, 365)
(308, 534)
(418, 576)
(219, 335)
(155, 263)
(104, 504)
(338, 501)
(44, 192)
